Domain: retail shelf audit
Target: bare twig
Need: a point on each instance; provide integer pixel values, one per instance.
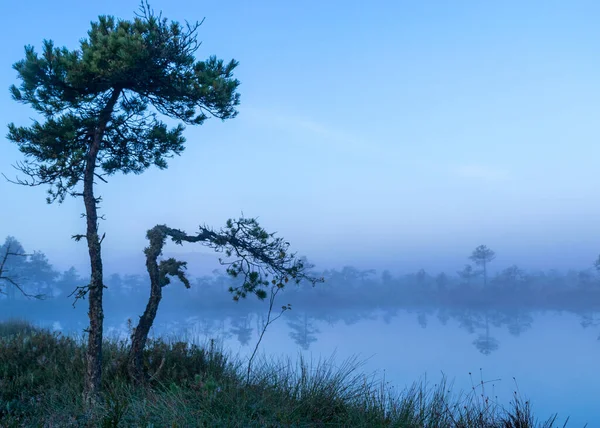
(274, 290)
(4, 276)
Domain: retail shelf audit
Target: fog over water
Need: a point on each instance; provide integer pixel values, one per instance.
(385, 141)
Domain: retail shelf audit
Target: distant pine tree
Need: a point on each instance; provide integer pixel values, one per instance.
(481, 256)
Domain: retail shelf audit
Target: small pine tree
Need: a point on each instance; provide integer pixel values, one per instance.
(481, 256)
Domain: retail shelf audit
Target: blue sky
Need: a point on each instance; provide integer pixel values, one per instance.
(380, 134)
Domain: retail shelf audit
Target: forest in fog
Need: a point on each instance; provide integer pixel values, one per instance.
(468, 288)
(508, 299)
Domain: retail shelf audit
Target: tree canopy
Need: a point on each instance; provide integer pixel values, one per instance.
(124, 74)
(482, 255)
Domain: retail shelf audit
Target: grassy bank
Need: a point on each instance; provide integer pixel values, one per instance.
(41, 379)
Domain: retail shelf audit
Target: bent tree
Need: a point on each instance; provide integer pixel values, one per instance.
(256, 257)
(100, 108)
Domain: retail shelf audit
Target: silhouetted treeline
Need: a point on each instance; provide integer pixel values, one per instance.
(349, 287)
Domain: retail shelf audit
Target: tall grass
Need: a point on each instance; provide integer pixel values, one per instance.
(41, 379)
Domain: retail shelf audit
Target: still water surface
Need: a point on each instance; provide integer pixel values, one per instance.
(550, 357)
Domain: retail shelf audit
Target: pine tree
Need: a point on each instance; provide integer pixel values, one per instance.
(101, 108)
(481, 256)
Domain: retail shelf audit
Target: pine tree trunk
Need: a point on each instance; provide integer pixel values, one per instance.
(140, 334)
(156, 236)
(93, 375)
(484, 274)
(96, 314)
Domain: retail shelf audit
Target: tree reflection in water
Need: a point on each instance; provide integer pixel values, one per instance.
(304, 333)
(241, 329)
(485, 343)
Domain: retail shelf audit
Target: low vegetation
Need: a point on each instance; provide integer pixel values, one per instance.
(42, 375)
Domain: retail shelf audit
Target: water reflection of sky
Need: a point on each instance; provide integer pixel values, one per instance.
(551, 356)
